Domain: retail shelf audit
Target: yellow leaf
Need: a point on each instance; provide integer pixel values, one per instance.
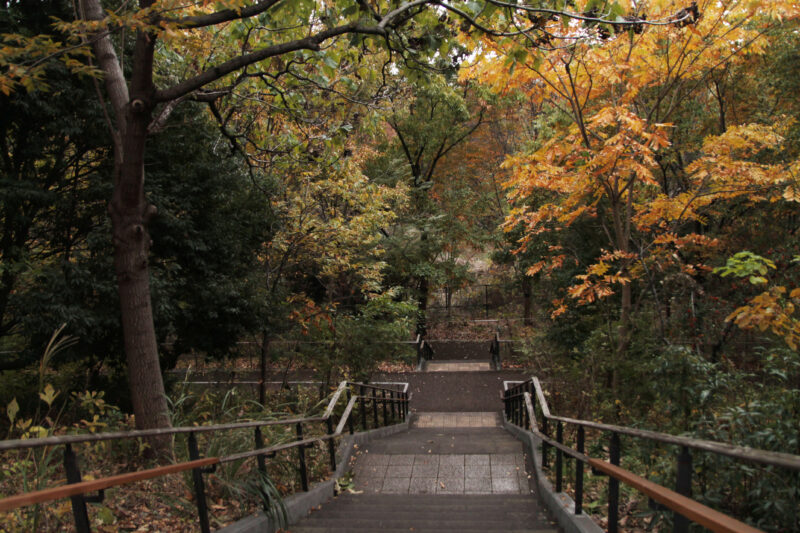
(12, 409)
(48, 395)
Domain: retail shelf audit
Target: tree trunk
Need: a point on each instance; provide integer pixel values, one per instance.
(527, 301)
(622, 214)
(422, 320)
(262, 380)
(129, 217)
(133, 107)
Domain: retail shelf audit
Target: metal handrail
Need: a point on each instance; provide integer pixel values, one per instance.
(745, 453)
(76, 489)
(424, 350)
(519, 410)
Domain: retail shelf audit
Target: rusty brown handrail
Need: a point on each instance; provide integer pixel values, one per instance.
(65, 491)
(691, 509)
(520, 411)
(76, 488)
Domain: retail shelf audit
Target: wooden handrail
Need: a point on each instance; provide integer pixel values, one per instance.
(691, 509)
(65, 491)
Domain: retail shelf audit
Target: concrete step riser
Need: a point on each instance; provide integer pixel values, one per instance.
(450, 522)
(443, 527)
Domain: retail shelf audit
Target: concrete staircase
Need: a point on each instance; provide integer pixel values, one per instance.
(450, 471)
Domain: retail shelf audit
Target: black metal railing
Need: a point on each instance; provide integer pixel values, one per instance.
(469, 300)
(521, 410)
(392, 403)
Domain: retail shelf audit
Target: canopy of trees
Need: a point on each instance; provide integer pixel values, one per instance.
(178, 178)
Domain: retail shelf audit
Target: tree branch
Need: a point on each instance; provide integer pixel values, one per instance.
(226, 15)
(214, 73)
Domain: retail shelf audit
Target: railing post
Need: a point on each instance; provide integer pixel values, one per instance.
(375, 407)
(579, 473)
(262, 461)
(525, 414)
(393, 397)
(331, 444)
(383, 402)
(559, 457)
(613, 486)
(683, 485)
(545, 446)
(363, 402)
(78, 502)
(301, 453)
(350, 417)
(199, 486)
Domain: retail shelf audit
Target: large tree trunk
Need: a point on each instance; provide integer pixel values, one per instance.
(129, 216)
(132, 109)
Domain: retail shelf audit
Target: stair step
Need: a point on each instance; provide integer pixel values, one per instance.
(458, 366)
(427, 514)
(437, 529)
(451, 521)
(456, 420)
(464, 513)
(488, 500)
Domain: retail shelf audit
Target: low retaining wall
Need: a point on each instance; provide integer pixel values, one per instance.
(559, 503)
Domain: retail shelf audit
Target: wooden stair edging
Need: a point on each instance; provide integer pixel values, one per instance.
(298, 505)
(559, 503)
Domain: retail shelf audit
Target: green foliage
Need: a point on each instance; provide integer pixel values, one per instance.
(356, 340)
(747, 264)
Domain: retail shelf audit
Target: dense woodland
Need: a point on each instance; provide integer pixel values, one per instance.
(197, 180)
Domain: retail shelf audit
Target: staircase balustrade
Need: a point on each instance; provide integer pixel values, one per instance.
(78, 490)
(521, 411)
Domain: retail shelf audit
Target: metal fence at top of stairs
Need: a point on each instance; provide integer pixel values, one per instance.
(371, 402)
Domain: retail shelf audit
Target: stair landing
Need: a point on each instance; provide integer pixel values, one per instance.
(490, 473)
